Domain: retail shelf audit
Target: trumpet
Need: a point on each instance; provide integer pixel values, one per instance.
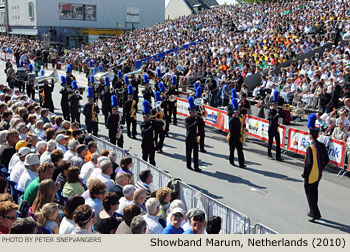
(158, 116)
(172, 98)
(202, 111)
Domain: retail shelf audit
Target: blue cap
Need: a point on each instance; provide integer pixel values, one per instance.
(157, 96)
(69, 69)
(173, 80)
(92, 79)
(63, 80)
(90, 92)
(107, 81)
(100, 68)
(119, 74)
(74, 85)
(91, 63)
(130, 90)
(235, 104)
(126, 79)
(161, 87)
(146, 107)
(114, 101)
(196, 84)
(191, 105)
(30, 67)
(145, 79)
(275, 98)
(42, 72)
(198, 92)
(233, 93)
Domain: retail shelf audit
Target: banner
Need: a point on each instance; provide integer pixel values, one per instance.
(259, 128)
(298, 141)
(216, 118)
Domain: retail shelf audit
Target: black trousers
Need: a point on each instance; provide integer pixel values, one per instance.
(167, 122)
(65, 112)
(21, 86)
(173, 112)
(49, 105)
(311, 191)
(160, 136)
(92, 127)
(113, 139)
(274, 134)
(131, 122)
(236, 144)
(31, 92)
(106, 114)
(75, 116)
(189, 148)
(148, 153)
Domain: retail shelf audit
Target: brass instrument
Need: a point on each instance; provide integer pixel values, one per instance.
(243, 131)
(120, 130)
(94, 117)
(53, 77)
(205, 95)
(172, 98)
(202, 111)
(133, 110)
(159, 115)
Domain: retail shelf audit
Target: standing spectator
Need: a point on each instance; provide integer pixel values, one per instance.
(67, 225)
(153, 225)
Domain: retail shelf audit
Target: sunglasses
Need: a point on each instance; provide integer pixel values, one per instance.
(178, 215)
(10, 217)
(103, 192)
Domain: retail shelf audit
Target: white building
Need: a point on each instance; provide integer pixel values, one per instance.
(179, 8)
(81, 20)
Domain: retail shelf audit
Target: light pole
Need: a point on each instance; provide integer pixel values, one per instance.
(7, 18)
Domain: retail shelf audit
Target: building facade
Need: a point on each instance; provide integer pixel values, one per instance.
(74, 22)
(179, 8)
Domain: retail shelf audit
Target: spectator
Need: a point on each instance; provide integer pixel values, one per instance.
(46, 156)
(121, 180)
(8, 215)
(105, 176)
(62, 176)
(197, 219)
(97, 191)
(89, 167)
(47, 216)
(138, 225)
(339, 132)
(67, 224)
(177, 215)
(113, 157)
(39, 129)
(24, 226)
(214, 225)
(164, 196)
(8, 149)
(31, 164)
(84, 217)
(56, 159)
(106, 223)
(129, 213)
(139, 199)
(79, 159)
(41, 147)
(73, 185)
(125, 166)
(128, 192)
(19, 168)
(61, 140)
(153, 225)
(46, 194)
(72, 150)
(92, 148)
(15, 158)
(146, 179)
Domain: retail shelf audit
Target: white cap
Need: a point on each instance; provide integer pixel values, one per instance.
(31, 159)
(59, 137)
(178, 210)
(23, 151)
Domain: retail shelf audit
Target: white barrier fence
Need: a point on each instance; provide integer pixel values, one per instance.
(261, 229)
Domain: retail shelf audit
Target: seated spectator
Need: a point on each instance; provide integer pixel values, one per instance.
(298, 112)
(174, 204)
(121, 180)
(6, 197)
(15, 158)
(113, 157)
(346, 121)
(79, 159)
(153, 225)
(197, 219)
(19, 168)
(164, 196)
(105, 176)
(97, 190)
(92, 148)
(46, 156)
(139, 199)
(72, 150)
(47, 216)
(138, 225)
(67, 224)
(62, 176)
(39, 129)
(125, 166)
(128, 192)
(61, 140)
(46, 194)
(214, 225)
(8, 215)
(89, 167)
(106, 223)
(24, 226)
(330, 129)
(90, 181)
(84, 217)
(73, 185)
(176, 218)
(129, 213)
(339, 132)
(31, 164)
(7, 150)
(41, 147)
(146, 179)
(56, 159)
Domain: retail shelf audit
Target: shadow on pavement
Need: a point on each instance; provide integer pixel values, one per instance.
(333, 224)
(273, 175)
(206, 192)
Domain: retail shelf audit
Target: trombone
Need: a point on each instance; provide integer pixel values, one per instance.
(202, 112)
(172, 98)
(159, 115)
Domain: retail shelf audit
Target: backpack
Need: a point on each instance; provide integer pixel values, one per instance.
(173, 184)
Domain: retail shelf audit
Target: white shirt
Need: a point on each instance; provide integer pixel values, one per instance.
(107, 180)
(123, 202)
(153, 225)
(67, 226)
(17, 171)
(87, 169)
(61, 147)
(68, 155)
(95, 173)
(45, 157)
(27, 177)
(293, 87)
(13, 161)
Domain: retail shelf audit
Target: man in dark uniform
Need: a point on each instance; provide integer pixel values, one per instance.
(148, 133)
(74, 100)
(192, 133)
(125, 90)
(135, 84)
(273, 117)
(173, 90)
(114, 124)
(166, 107)
(117, 84)
(47, 95)
(235, 136)
(91, 111)
(21, 75)
(147, 93)
(106, 99)
(129, 113)
(65, 98)
(30, 78)
(213, 91)
(316, 159)
(159, 125)
(201, 123)
(69, 76)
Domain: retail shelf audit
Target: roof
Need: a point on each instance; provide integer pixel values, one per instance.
(205, 3)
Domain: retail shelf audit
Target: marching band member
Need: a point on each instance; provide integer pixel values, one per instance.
(192, 133)
(198, 90)
(69, 76)
(65, 98)
(74, 100)
(125, 90)
(30, 81)
(273, 117)
(159, 125)
(47, 90)
(201, 123)
(118, 87)
(106, 99)
(147, 92)
(148, 144)
(235, 136)
(135, 84)
(173, 90)
(165, 106)
(229, 108)
(91, 111)
(129, 113)
(114, 124)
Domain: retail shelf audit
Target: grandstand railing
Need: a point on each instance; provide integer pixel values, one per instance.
(261, 229)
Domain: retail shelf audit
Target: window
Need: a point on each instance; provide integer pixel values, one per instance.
(77, 12)
(31, 10)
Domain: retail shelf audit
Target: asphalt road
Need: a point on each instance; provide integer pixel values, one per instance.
(269, 192)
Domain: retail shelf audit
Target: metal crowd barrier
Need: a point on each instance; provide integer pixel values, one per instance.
(261, 229)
